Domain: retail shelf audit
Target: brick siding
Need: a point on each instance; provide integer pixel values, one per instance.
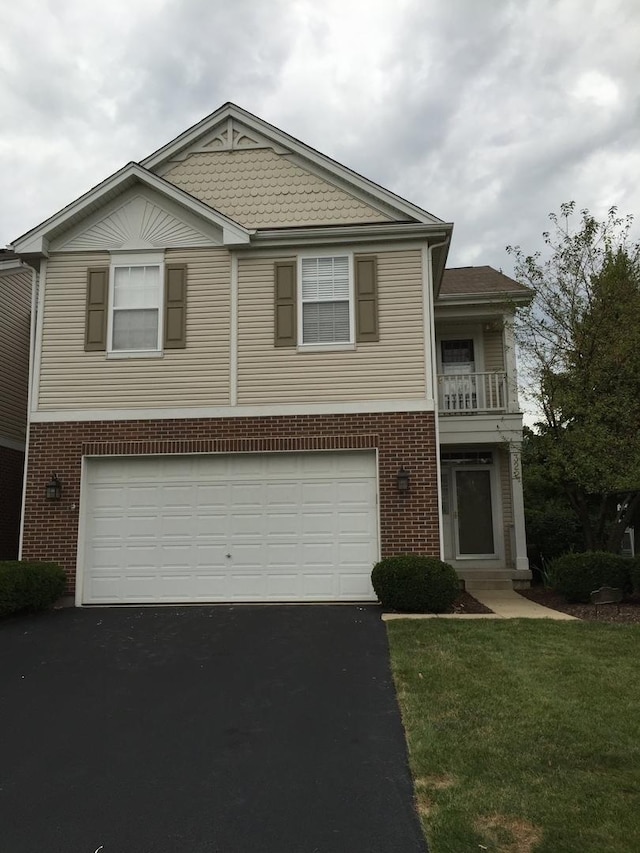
(11, 469)
(408, 522)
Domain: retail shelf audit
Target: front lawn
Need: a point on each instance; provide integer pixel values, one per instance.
(523, 735)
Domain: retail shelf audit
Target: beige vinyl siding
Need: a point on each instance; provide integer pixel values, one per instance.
(15, 310)
(391, 369)
(260, 189)
(507, 504)
(71, 378)
(493, 351)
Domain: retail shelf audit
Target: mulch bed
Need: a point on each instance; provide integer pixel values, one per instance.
(629, 610)
(466, 603)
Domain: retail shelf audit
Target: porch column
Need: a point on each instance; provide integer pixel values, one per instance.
(510, 366)
(520, 538)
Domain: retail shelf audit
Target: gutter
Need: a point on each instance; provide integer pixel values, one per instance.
(351, 233)
(434, 381)
(32, 345)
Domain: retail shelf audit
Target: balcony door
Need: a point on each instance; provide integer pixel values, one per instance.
(458, 356)
(459, 390)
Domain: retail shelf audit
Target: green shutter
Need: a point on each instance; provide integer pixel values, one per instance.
(175, 306)
(366, 286)
(95, 327)
(285, 304)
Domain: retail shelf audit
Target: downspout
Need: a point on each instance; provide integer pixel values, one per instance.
(434, 382)
(32, 346)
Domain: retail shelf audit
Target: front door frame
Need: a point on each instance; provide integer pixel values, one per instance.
(450, 520)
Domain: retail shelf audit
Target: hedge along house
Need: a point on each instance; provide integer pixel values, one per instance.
(253, 377)
(16, 285)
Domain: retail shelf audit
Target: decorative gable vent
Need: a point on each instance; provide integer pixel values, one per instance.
(138, 224)
(230, 135)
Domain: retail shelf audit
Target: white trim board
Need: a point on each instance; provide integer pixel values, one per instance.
(478, 429)
(355, 408)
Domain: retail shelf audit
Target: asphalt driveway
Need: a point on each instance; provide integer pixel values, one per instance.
(161, 730)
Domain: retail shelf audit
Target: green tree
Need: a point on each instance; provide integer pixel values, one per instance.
(580, 350)
(552, 525)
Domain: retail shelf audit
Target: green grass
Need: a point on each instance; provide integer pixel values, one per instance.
(523, 735)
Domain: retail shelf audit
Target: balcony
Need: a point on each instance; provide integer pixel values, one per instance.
(468, 393)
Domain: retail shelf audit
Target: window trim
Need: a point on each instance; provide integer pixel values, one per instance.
(136, 259)
(333, 345)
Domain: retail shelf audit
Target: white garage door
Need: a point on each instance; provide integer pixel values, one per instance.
(251, 527)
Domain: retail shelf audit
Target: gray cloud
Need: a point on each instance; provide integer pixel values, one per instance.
(487, 118)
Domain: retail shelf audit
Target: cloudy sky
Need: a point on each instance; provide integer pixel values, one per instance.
(488, 113)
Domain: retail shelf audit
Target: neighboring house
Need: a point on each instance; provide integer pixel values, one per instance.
(252, 379)
(15, 309)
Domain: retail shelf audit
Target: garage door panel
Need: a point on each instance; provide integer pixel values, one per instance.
(285, 493)
(353, 523)
(283, 525)
(317, 523)
(105, 526)
(320, 493)
(210, 587)
(247, 554)
(352, 586)
(281, 555)
(142, 496)
(319, 585)
(298, 526)
(247, 585)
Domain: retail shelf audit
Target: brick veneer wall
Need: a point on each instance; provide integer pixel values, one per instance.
(11, 470)
(408, 522)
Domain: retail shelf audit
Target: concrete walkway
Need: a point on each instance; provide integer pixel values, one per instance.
(505, 603)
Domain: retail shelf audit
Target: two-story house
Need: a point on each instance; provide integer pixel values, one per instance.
(252, 378)
(16, 281)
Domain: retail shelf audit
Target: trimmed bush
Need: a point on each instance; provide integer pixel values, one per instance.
(576, 575)
(415, 584)
(29, 586)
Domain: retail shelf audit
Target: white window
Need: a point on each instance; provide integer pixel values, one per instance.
(136, 306)
(326, 300)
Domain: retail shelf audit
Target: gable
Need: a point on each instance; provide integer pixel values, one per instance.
(139, 219)
(97, 205)
(260, 187)
(232, 130)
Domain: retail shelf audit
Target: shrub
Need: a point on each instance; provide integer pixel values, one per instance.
(576, 575)
(551, 532)
(29, 586)
(634, 574)
(416, 584)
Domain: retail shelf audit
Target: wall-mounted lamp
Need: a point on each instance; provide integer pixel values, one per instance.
(53, 489)
(402, 480)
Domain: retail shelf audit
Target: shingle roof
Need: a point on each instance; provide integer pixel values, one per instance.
(476, 280)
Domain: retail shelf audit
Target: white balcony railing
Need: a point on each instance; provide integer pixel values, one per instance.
(472, 392)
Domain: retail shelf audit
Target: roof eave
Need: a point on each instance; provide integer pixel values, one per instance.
(36, 241)
(332, 234)
(494, 296)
